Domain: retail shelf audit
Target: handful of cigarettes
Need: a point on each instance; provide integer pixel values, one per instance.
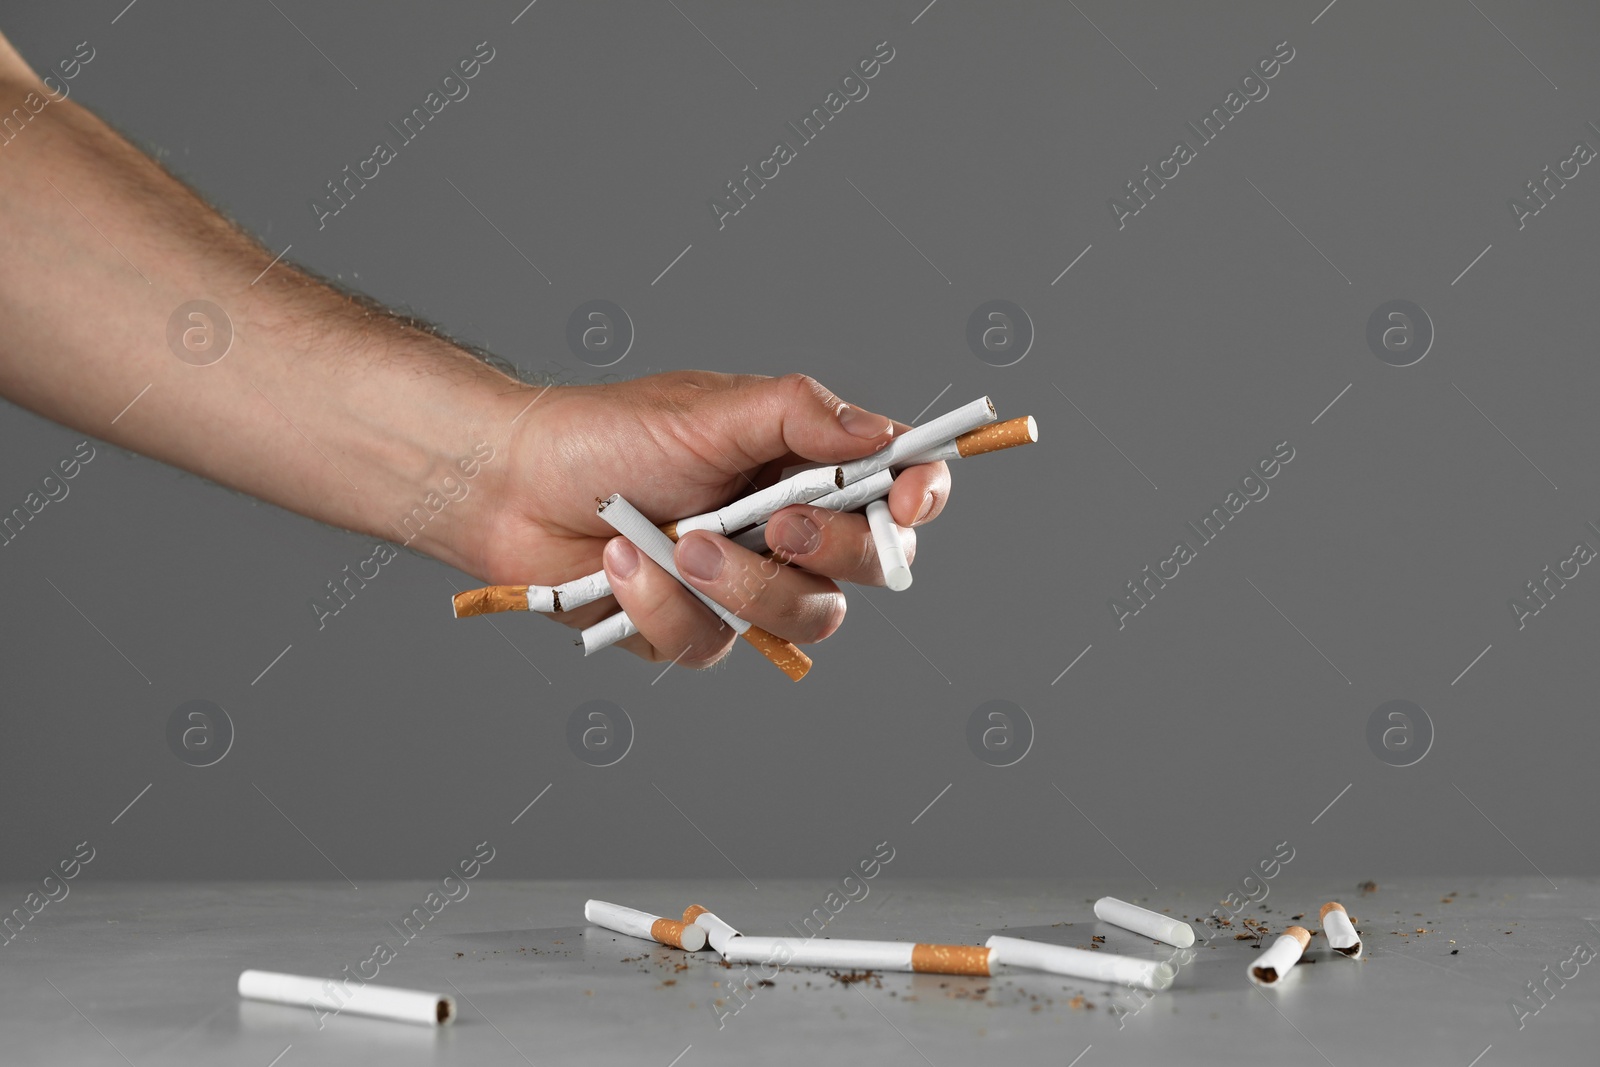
(969, 430)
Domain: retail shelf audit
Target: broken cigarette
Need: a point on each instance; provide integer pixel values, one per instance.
(919, 439)
(1144, 921)
(607, 632)
(1277, 961)
(630, 523)
(328, 996)
(762, 504)
(1080, 963)
(868, 489)
(992, 438)
(547, 598)
(1339, 930)
(635, 923)
(718, 932)
(891, 550)
(859, 955)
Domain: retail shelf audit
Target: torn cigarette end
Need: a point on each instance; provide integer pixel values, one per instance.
(686, 936)
(1281, 957)
(783, 654)
(950, 959)
(1000, 435)
(491, 599)
(1339, 930)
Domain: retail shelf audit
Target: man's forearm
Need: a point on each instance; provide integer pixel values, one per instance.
(323, 405)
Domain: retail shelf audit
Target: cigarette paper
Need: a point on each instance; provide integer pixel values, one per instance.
(607, 632)
(1339, 930)
(1079, 963)
(873, 487)
(891, 551)
(718, 932)
(630, 523)
(1276, 961)
(328, 995)
(919, 439)
(993, 438)
(763, 503)
(642, 924)
(860, 955)
(548, 598)
(1144, 921)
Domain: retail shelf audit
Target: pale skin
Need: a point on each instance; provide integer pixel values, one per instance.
(340, 411)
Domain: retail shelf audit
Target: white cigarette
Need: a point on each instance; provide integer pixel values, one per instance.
(1276, 961)
(859, 955)
(873, 487)
(891, 551)
(919, 439)
(642, 924)
(718, 932)
(1144, 921)
(607, 632)
(1339, 930)
(761, 505)
(333, 996)
(993, 438)
(1079, 963)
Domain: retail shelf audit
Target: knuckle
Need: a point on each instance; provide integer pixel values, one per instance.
(807, 388)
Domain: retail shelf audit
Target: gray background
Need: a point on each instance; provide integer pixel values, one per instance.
(1196, 338)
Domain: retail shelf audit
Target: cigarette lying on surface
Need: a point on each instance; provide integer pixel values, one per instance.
(1144, 921)
(718, 932)
(859, 955)
(1079, 963)
(992, 438)
(891, 550)
(329, 996)
(762, 504)
(635, 923)
(547, 598)
(919, 439)
(868, 489)
(630, 523)
(1339, 930)
(1277, 961)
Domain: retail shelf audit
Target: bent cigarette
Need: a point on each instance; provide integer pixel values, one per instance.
(919, 439)
(992, 438)
(607, 632)
(1277, 961)
(868, 489)
(718, 932)
(891, 551)
(1339, 930)
(546, 598)
(1144, 921)
(763, 503)
(859, 955)
(630, 523)
(329, 996)
(636, 923)
(1078, 963)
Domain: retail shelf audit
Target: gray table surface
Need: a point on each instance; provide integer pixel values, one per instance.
(145, 973)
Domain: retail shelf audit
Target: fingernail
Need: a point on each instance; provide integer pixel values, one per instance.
(797, 535)
(863, 423)
(700, 558)
(924, 511)
(622, 558)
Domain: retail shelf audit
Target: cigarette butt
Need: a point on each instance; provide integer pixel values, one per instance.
(682, 935)
(490, 599)
(333, 996)
(1340, 931)
(718, 932)
(993, 438)
(1144, 921)
(891, 551)
(642, 924)
(1270, 967)
(783, 654)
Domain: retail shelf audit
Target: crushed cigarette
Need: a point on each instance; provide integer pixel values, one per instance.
(1270, 967)
(1339, 930)
(634, 923)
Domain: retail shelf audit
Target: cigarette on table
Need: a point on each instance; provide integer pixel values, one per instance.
(630, 523)
(891, 550)
(1078, 963)
(859, 955)
(1339, 930)
(1144, 921)
(636, 923)
(718, 932)
(329, 996)
(1270, 967)
(762, 504)
(546, 598)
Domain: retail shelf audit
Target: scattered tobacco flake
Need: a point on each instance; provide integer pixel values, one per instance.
(460, 954)
(1297, 918)
(852, 977)
(669, 981)
(1368, 887)
(769, 983)
(1455, 952)
(1098, 939)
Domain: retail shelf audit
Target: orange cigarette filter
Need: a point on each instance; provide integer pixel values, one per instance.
(490, 599)
(670, 932)
(783, 654)
(950, 959)
(999, 435)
